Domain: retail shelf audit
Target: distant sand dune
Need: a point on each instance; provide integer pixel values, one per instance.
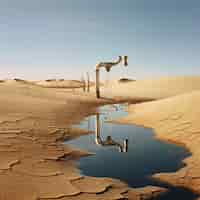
(155, 89)
(61, 83)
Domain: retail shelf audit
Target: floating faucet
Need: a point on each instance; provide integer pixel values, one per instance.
(107, 66)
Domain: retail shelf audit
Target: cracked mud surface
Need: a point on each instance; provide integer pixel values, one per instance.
(34, 164)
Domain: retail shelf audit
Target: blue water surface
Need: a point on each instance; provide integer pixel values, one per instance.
(145, 156)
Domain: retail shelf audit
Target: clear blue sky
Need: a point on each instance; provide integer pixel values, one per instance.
(62, 38)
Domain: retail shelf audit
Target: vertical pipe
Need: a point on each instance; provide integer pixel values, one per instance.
(97, 84)
(83, 82)
(97, 130)
(125, 146)
(125, 61)
(88, 82)
(84, 86)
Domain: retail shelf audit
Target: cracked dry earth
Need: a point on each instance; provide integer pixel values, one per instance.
(37, 166)
(34, 163)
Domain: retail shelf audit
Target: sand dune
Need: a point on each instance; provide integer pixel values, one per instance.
(175, 119)
(155, 88)
(19, 99)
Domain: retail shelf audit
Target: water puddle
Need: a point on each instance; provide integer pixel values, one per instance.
(129, 153)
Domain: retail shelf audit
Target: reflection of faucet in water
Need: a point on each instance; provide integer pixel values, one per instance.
(109, 141)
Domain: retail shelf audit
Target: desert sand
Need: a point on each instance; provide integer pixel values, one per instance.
(34, 164)
(174, 117)
(157, 88)
(35, 120)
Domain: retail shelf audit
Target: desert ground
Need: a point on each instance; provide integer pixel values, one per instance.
(36, 117)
